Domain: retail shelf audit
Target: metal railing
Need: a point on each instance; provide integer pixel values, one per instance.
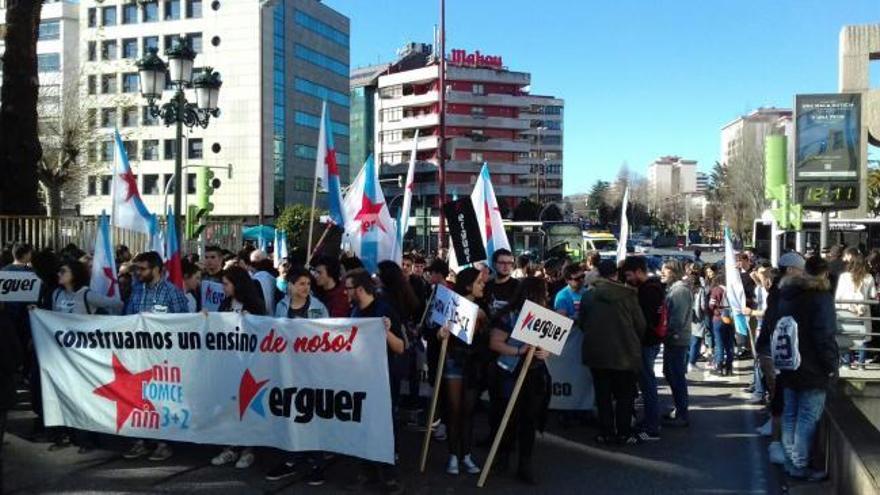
(849, 336)
(58, 232)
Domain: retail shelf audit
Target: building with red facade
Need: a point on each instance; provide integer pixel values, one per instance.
(490, 117)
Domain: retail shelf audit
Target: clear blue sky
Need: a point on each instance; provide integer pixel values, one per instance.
(640, 79)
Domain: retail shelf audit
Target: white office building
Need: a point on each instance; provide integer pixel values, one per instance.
(278, 61)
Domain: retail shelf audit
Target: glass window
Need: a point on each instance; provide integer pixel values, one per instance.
(190, 183)
(170, 146)
(93, 17)
(150, 149)
(195, 42)
(92, 117)
(130, 116)
(108, 117)
(93, 152)
(321, 60)
(48, 62)
(93, 85)
(305, 151)
(194, 149)
(108, 16)
(130, 48)
(172, 9)
(477, 111)
(93, 186)
(151, 184)
(476, 156)
(131, 149)
(49, 30)
(320, 28)
(148, 118)
(129, 13)
(93, 51)
(107, 151)
(108, 84)
(151, 42)
(169, 40)
(194, 8)
(130, 82)
(150, 11)
(106, 181)
(109, 50)
(321, 92)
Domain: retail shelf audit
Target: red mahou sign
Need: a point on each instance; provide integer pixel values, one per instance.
(476, 59)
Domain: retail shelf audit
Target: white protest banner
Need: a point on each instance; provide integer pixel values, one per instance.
(572, 388)
(461, 313)
(19, 286)
(220, 378)
(542, 327)
(212, 295)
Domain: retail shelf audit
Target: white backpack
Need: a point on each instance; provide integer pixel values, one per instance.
(784, 344)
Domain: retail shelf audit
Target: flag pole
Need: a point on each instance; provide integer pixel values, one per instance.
(312, 214)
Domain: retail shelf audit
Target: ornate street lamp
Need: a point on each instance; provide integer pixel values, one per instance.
(152, 75)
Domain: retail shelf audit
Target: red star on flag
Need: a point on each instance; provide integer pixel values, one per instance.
(126, 391)
(369, 215)
(131, 183)
(108, 272)
(330, 160)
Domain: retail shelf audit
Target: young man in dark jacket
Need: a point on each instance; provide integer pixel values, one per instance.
(613, 326)
(809, 301)
(651, 296)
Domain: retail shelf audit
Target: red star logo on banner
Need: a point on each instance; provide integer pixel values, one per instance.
(330, 160)
(131, 183)
(108, 272)
(126, 391)
(369, 215)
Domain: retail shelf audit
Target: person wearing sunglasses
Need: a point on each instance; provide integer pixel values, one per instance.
(568, 300)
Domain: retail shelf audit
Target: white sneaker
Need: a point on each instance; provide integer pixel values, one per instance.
(162, 453)
(138, 449)
(440, 432)
(469, 465)
(777, 453)
(227, 456)
(766, 429)
(452, 466)
(246, 459)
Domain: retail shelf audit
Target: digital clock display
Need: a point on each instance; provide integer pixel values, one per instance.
(828, 195)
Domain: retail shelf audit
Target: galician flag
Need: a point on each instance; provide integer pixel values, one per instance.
(370, 230)
(327, 169)
(403, 222)
(173, 256)
(157, 237)
(104, 280)
(281, 247)
(129, 211)
(624, 228)
(734, 292)
(488, 214)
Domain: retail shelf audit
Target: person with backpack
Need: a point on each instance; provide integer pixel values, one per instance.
(702, 319)
(680, 310)
(73, 296)
(722, 327)
(805, 352)
(651, 296)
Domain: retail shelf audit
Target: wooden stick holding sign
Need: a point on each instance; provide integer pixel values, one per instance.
(433, 409)
(458, 316)
(540, 328)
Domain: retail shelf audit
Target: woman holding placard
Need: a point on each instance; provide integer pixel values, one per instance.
(462, 375)
(534, 396)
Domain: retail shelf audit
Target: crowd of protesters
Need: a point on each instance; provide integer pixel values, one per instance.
(628, 317)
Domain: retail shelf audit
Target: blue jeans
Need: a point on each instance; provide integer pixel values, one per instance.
(674, 370)
(694, 351)
(722, 334)
(803, 409)
(648, 386)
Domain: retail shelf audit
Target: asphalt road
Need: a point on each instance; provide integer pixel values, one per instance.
(719, 453)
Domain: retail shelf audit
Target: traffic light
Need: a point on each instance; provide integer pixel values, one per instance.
(191, 222)
(206, 183)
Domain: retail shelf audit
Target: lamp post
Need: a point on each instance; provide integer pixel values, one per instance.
(178, 111)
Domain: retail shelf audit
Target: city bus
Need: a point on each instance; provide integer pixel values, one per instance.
(863, 233)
